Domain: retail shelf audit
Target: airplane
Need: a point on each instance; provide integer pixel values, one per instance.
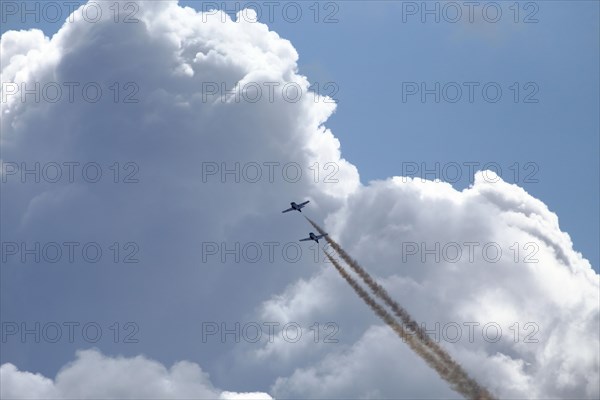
(314, 237)
(295, 206)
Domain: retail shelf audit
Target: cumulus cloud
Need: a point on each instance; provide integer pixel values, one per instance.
(556, 295)
(174, 129)
(167, 63)
(93, 375)
(365, 370)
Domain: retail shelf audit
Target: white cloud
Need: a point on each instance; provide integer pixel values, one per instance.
(376, 362)
(93, 375)
(558, 295)
(169, 55)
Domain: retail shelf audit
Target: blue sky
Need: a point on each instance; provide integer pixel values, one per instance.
(560, 134)
(374, 58)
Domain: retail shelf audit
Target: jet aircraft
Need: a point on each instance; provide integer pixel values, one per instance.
(295, 206)
(312, 236)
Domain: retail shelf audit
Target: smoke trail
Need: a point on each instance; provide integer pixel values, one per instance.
(380, 292)
(462, 382)
(417, 346)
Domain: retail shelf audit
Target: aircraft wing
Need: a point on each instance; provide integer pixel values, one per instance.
(304, 240)
(320, 236)
(289, 209)
(305, 203)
